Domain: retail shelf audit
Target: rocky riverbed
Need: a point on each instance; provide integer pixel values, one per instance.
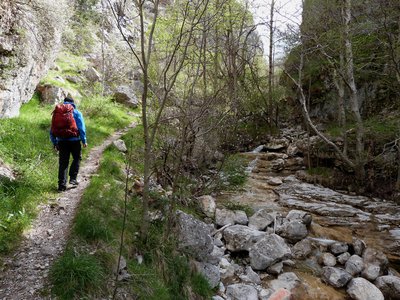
(304, 241)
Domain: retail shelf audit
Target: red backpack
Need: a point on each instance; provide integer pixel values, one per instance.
(63, 124)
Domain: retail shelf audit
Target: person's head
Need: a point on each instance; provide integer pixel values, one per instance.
(69, 99)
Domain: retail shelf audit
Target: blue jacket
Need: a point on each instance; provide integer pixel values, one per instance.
(80, 123)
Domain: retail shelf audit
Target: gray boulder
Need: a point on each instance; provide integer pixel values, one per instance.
(207, 205)
(359, 246)
(210, 272)
(354, 265)
(376, 257)
(250, 276)
(6, 172)
(227, 270)
(389, 286)
(278, 165)
(275, 269)
(126, 96)
(300, 215)
(328, 259)
(241, 238)
(50, 94)
(287, 281)
(302, 249)
(339, 248)
(241, 217)
(371, 271)
(194, 237)
(241, 291)
(274, 181)
(216, 255)
(293, 231)
(268, 251)
(261, 219)
(361, 289)
(335, 276)
(343, 258)
(224, 217)
(92, 75)
(120, 145)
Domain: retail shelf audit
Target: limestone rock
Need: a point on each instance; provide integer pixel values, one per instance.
(210, 272)
(241, 238)
(275, 269)
(194, 236)
(300, 215)
(339, 248)
(274, 181)
(371, 271)
(250, 276)
(224, 217)
(215, 256)
(278, 164)
(261, 219)
(361, 289)
(328, 259)
(389, 286)
(6, 172)
(29, 42)
(241, 291)
(241, 217)
(268, 251)
(342, 258)
(335, 276)
(92, 75)
(120, 145)
(287, 281)
(354, 265)
(207, 205)
(126, 96)
(293, 230)
(226, 269)
(359, 246)
(50, 94)
(376, 257)
(302, 249)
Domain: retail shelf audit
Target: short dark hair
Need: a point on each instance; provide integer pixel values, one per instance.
(68, 99)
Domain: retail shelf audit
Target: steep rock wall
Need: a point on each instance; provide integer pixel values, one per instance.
(30, 36)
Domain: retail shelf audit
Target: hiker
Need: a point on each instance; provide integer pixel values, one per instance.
(66, 133)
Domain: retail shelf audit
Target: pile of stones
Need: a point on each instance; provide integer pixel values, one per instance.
(245, 257)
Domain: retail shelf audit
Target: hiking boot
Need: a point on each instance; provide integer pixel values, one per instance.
(73, 182)
(62, 188)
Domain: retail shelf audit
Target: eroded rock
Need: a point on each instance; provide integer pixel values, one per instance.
(361, 289)
(268, 251)
(241, 238)
(389, 286)
(335, 276)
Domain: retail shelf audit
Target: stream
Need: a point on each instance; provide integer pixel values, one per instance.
(272, 184)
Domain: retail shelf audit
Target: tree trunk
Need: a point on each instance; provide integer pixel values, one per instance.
(354, 100)
(271, 63)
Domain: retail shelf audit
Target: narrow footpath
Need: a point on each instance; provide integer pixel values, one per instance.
(27, 269)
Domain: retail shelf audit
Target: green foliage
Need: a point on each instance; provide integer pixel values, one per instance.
(233, 171)
(320, 171)
(74, 274)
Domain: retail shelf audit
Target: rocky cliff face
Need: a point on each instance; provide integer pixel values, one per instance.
(30, 36)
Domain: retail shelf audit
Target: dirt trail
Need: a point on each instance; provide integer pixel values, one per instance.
(27, 269)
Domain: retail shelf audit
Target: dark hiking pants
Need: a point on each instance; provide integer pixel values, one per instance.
(67, 148)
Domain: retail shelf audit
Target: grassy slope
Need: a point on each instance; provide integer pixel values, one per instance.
(25, 145)
(164, 274)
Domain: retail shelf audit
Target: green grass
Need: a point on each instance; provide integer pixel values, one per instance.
(74, 274)
(164, 273)
(25, 145)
